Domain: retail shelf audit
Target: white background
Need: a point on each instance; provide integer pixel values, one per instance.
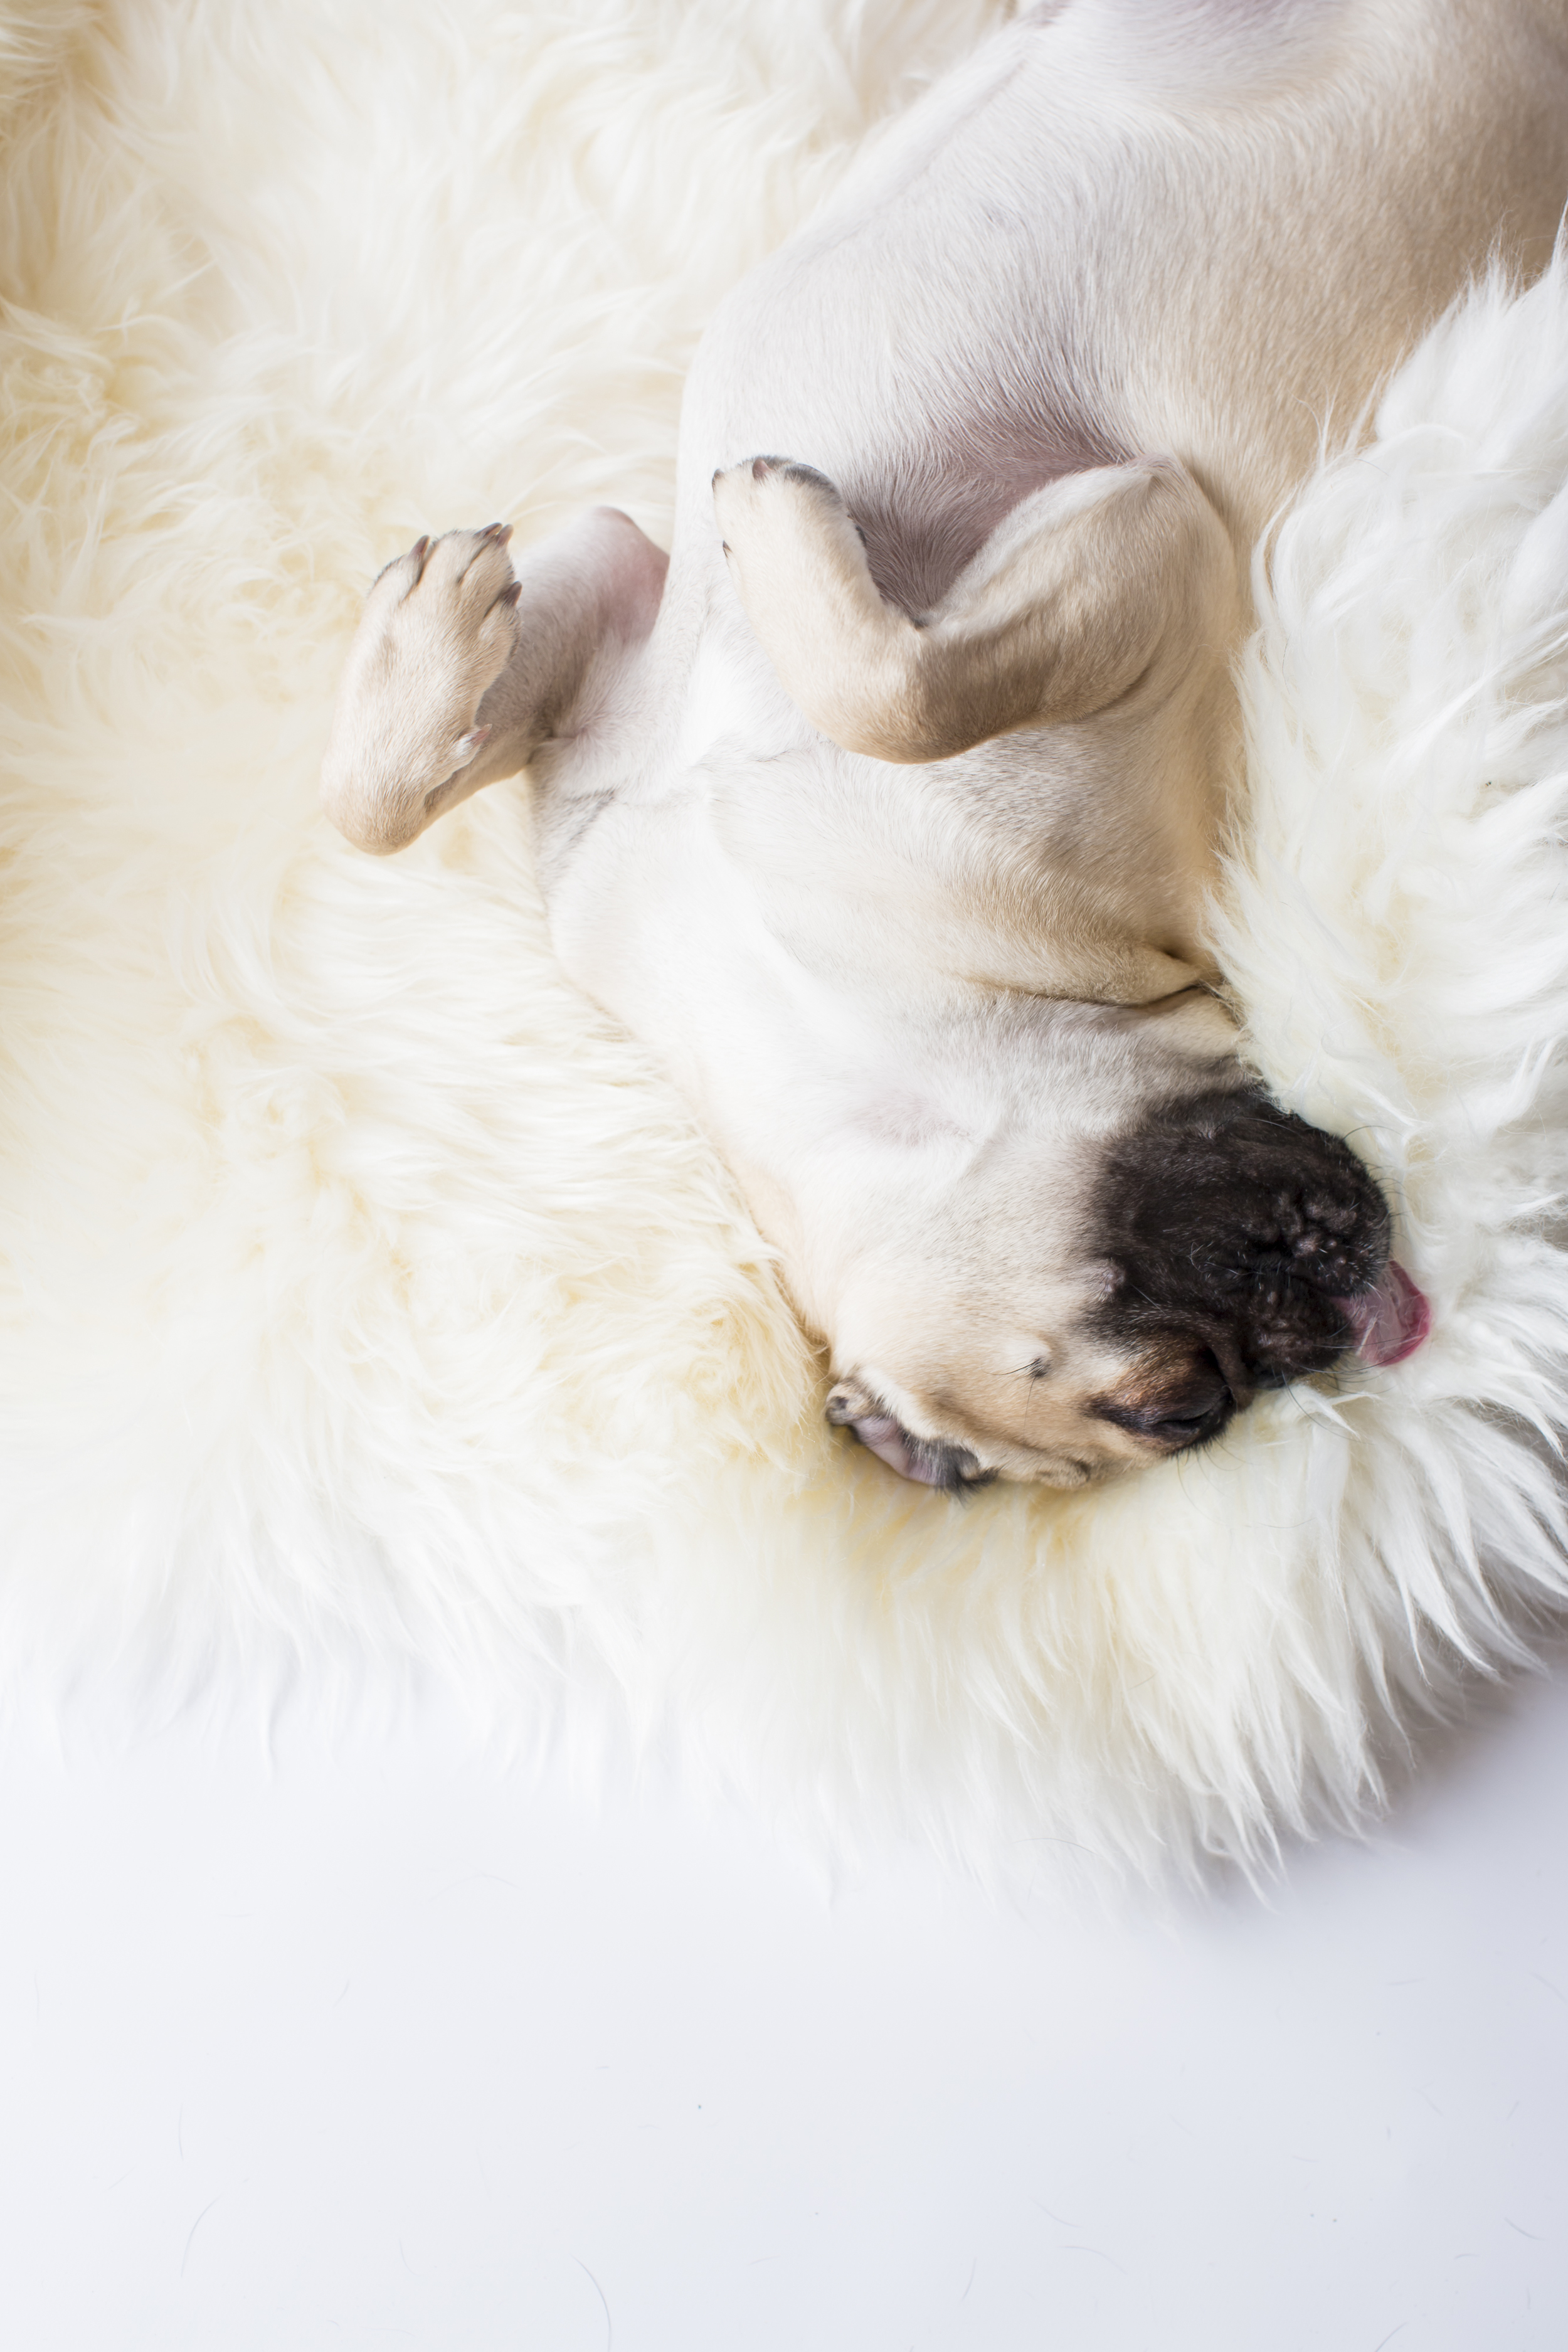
(372, 2042)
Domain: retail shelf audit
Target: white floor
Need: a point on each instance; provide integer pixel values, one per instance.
(375, 2046)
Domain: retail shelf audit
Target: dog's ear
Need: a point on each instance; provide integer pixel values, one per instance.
(1089, 586)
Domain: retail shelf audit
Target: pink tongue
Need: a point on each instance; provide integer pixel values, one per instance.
(1389, 1322)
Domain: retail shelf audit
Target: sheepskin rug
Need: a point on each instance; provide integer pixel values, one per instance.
(367, 1295)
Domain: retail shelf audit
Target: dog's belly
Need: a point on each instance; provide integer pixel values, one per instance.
(1203, 230)
(1061, 260)
(759, 885)
(1065, 258)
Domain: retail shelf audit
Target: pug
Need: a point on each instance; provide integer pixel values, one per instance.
(886, 808)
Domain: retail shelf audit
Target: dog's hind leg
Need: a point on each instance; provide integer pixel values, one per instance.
(1088, 587)
(461, 668)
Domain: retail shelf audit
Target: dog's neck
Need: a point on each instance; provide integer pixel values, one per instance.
(854, 1113)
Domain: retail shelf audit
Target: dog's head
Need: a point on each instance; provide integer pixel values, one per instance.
(1092, 1299)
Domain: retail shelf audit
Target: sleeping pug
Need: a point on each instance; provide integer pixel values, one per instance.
(885, 810)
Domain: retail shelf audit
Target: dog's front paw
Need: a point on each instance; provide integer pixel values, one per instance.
(798, 560)
(793, 550)
(779, 521)
(439, 627)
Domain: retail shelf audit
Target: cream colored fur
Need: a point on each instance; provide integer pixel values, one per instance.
(366, 1290)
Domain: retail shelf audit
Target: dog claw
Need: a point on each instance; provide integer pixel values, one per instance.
(511, 592)
(416, 555)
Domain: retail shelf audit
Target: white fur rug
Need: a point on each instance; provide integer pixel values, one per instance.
(364, 1292)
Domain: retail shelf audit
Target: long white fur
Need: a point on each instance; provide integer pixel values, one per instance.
(365, 1291)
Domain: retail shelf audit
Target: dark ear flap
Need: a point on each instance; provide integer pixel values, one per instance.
(928, 1461)
(1236, 1225)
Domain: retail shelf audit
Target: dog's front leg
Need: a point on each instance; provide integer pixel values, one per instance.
(462, 668)
(1074, 599)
